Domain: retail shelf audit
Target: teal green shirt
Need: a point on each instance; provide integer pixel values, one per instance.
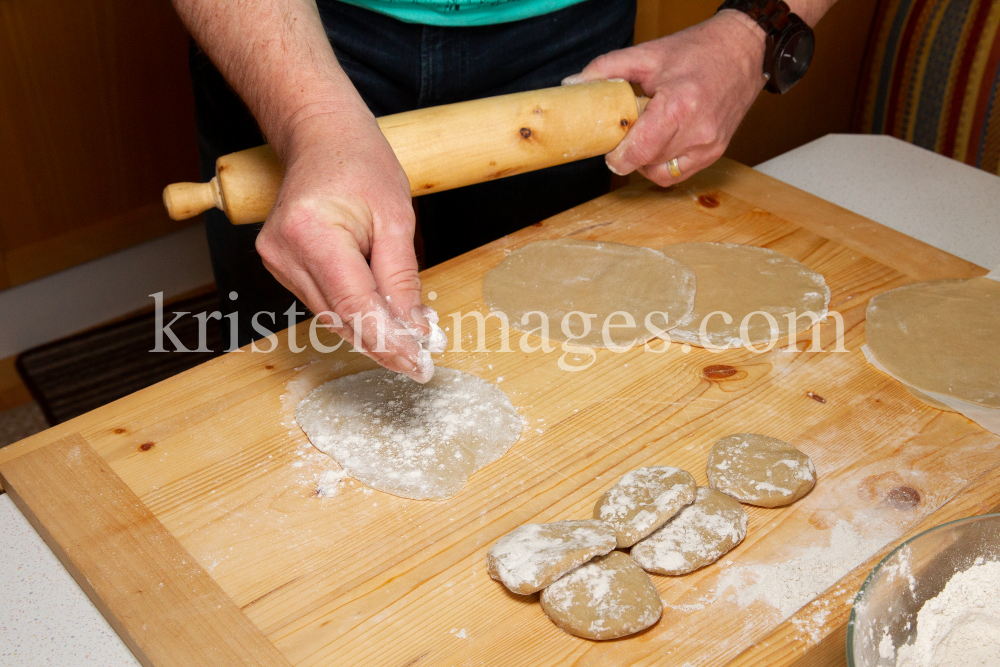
(462, 12)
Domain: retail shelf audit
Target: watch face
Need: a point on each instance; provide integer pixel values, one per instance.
(794, 56)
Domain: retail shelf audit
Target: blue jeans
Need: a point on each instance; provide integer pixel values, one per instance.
(401, 66)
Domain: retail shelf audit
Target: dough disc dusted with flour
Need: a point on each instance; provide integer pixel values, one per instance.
(532, 556)
(760, 470)
(739, 280)
(419, 441)
(941, 336)
(607, 598)
(699, 535)
(565, 275)
(643, 500)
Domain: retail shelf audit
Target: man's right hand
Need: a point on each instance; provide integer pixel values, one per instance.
(345, 198)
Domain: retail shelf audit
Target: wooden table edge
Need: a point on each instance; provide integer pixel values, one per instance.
(911, 257)
(84, 512)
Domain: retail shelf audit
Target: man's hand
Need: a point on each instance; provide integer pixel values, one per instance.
(344, 198)
(701, 82)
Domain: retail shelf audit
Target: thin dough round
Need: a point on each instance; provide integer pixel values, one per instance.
(699, 535)
(419, 441)
(760, 470)
(941, 337)
(607, 598)
(643, 500)
(565, 275)
(532, 556)
(739, 280)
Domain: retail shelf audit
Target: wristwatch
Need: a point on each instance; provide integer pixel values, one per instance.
(790, 42)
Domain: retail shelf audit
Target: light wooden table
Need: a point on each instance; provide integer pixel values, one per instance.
(181, 511)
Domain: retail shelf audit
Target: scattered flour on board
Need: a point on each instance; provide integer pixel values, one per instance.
(790, 585)
(419, 441)
(958, 628)
(329, 481)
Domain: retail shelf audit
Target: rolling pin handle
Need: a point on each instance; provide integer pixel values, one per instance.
(186, 200)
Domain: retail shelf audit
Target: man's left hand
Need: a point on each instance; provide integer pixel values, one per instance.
(701, 82)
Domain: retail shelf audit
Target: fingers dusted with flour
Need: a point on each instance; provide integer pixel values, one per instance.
(344, 199)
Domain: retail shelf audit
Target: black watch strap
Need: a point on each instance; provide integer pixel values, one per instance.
(771, 15)
(779, 23)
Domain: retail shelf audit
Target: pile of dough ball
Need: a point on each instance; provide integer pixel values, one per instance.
(672, 526)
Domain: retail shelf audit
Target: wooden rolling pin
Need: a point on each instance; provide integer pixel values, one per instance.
(443, 147)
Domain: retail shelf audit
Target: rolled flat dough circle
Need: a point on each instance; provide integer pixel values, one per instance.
(941, 336)
(532, 556)
(739, 280)
(419, 441)
(760, 470)
(565, 275)
(698, 535)
(607, 598)
(643, 500)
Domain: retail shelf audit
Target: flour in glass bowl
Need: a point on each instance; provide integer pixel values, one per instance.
(960, 627)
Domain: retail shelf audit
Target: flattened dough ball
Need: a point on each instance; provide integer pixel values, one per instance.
(941, 336)
(739, 280)
(607, 598)
(565, 275)
(760, 470)
(419, 441)
(698, 535)
(532, 556)
(643, 500)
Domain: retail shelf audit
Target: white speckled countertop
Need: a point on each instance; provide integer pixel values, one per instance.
(46, 619)
(932, 198)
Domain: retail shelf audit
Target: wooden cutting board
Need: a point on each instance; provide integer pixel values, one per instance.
(188, 511)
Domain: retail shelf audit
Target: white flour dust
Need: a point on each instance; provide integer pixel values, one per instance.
(958, 628)
(790, 585)
(329, 482)
(534, 555)
(419, 441)
(434, 342)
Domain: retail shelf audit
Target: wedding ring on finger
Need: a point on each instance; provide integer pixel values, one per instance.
(674, 168)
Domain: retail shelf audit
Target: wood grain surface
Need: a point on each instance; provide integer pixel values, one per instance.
(365, 577)
(157, 598)
(96, 114)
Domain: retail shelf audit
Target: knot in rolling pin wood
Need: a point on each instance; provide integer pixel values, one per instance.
(624, 122)
(525, 132)
(146, 446)
(708, 200)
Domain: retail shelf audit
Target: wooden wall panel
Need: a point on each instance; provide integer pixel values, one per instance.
(13, 393)
(820, 104)
(96, 116)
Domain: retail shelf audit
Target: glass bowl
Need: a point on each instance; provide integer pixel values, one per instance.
(885, 609)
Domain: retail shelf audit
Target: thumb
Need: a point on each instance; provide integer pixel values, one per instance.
(394, 267)
(640, 145)
(620, 64)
